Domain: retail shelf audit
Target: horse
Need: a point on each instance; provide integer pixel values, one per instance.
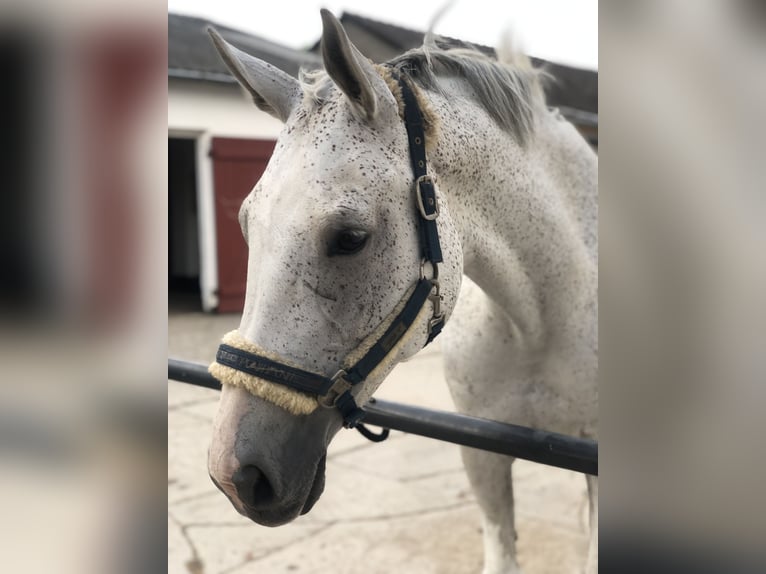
(435, 188)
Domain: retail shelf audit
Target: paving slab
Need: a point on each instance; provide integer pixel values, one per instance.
(383, 546)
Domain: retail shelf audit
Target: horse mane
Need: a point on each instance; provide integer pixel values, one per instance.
(510, 90)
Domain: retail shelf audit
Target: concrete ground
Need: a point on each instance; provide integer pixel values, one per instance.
(400, 506)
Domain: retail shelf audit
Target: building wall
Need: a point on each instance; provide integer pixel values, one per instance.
(219, 109)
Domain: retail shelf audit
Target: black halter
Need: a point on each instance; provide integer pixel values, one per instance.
(336, 391)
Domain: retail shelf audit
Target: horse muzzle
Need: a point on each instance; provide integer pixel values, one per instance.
(268, 463)
(255, 495)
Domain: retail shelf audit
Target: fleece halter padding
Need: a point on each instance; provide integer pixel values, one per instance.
(293, 401)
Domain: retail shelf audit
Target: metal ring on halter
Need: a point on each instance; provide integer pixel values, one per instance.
(434, 270)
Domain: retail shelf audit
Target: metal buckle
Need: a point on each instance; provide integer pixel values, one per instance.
(339, 386)
(435, 296)
(432, 180)
(436, 299)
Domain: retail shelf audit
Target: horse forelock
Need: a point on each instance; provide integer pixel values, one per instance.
(316, 86)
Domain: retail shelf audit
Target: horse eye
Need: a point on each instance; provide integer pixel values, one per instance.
(347, 242)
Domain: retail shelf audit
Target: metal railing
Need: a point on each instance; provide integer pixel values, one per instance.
(540, 446)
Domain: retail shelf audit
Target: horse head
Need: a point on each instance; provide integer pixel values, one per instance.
(335, 243)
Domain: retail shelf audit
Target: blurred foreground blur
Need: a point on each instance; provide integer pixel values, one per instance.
(683, 286)
(83, 286)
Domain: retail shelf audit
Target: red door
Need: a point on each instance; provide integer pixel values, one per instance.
(237, 166)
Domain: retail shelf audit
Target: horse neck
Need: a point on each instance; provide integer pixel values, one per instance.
(527, 215)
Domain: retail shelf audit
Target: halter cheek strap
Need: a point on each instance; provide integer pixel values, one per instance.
(335, 391)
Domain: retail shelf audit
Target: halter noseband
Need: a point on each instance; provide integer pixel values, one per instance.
(336, 391)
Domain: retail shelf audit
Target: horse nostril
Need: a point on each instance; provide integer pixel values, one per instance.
(253, 487)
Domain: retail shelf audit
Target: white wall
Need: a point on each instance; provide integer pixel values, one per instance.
(221, 110)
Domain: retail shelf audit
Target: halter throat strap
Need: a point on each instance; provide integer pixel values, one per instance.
(336, 391)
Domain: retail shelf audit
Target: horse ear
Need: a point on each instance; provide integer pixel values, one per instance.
(273, 90)
(349, 69)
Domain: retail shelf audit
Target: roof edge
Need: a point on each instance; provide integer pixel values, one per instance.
(217, 77)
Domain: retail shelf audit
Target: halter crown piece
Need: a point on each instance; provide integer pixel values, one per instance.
(336, 391)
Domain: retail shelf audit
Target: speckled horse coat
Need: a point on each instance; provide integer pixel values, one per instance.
(332, 232)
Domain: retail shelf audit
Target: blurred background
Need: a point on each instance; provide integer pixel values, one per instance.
(96, 208)
(83, 263)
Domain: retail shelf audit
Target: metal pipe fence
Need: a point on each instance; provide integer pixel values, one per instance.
(540, 446)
